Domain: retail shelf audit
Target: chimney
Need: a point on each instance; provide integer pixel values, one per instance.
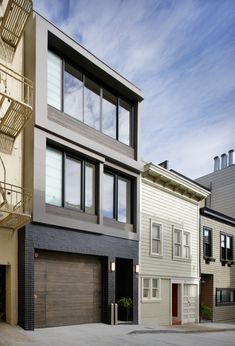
(223, 161)
(216, 163)
(230, 157)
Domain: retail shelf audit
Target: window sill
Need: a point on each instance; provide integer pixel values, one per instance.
(118, 225)
(209, 259)
(155, 255)
(225, 304)
(147, 301)
(71, 213)
(181, 259)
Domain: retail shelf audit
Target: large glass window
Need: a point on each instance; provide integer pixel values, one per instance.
(53, 177)
(124, 118)
(109, 114)
(73, 92)
(87, 101)
(117, 197)
(72, 183)
(225, 296)
(75, 188)
(92, 104)
(54, 80)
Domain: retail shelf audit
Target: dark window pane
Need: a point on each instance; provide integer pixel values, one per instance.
(53, 177)
(109, 109)
(108, 197)
(73, 93)
(73, 183)
(92, 104)
(90, 188)
(124, 195)
(124, 117)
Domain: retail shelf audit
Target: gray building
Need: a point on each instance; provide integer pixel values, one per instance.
(221, 183)
(81, 160)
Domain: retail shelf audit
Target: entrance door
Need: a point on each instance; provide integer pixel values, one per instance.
(190, 303)
(124, 286)
(174, 300)
(2, 293)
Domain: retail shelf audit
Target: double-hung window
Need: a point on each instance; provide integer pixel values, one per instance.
(156, 239)
(226, 247)
(207, 242)
(70, 181)
(150, 289)
(181, 244)
(117, 202)
(70, 90)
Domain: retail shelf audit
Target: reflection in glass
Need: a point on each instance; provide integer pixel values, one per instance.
(108, 195)
(73, 93)
(54, 80)
(73, 183)
(89, 188)
(109, 110)
(53, 177)
(124, 195)
(92, 104)
(124, 117)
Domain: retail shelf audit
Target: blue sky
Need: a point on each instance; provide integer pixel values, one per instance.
(181, 54)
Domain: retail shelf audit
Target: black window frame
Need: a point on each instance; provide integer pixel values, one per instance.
(210, 243)
(116, 176)
(226, 258)
(132, 134)
(219, 291)
(83, 160)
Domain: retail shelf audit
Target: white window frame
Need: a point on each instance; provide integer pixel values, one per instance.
(155, 254)
(182, 244)
(150, 297)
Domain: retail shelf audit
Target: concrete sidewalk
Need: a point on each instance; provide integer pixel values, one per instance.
(102, 334)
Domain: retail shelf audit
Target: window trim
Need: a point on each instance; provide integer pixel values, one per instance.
(66, 153)
(210, 230)
(151, 298)
(181, 258)
(226, 260)
(154, 254)
(221, 303)
(102, 87)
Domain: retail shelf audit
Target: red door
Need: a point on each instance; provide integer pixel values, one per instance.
(174, 300)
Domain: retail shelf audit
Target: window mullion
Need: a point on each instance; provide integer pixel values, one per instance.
(62, 86)
(83, 172)
(63, 177)
(116, 197)
(117, 119)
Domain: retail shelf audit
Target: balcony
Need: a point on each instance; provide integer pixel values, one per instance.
(14, 21)
(16, 98)
(14, 206)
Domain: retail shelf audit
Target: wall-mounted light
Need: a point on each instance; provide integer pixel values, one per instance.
(137, 268)
(112, 266)
(35, 255)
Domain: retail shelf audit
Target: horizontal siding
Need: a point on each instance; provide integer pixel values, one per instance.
(224, 276)
(169, 210)
(78, 127)
(157, 312)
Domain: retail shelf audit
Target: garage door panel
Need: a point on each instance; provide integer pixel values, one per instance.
(72, 289)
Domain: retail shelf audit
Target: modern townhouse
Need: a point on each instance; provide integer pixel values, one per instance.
(169, 247)
(15, 111)
(80, 252)
(217, 266)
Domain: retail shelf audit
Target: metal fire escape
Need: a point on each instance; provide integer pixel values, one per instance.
(16, 98)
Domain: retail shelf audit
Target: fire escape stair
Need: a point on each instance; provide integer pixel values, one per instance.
(14, 21)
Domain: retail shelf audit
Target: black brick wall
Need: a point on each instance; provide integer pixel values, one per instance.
(57, 239)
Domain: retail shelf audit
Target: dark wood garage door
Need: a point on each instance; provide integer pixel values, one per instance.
(67, 289)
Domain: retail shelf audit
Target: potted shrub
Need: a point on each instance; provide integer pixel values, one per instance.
(206, 312)
(127, 304)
